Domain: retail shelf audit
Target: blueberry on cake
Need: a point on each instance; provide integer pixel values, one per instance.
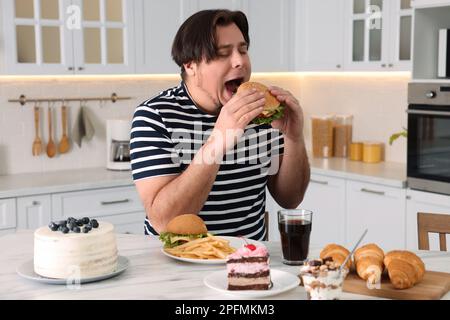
(75, 247)
(248, 268)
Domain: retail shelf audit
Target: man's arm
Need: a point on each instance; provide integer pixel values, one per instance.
(289, 185)
(169, 196)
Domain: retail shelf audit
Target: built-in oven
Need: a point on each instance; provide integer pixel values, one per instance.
(428, 162)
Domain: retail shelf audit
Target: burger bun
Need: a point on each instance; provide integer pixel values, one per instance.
(186, 224)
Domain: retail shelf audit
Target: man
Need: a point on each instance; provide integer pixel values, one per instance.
(193, 148)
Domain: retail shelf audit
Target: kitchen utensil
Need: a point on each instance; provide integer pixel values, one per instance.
(64, 144)
(353, 251)
(51, 147)
(37, 144)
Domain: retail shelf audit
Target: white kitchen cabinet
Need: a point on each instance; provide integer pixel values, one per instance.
(156, 24)
(68, 36)
(426, 202)
(378, 35)
(271, 35)
(272, 208)
(381, 210)
(328, 216)
(120, 206)
(271, 44)
(7, 215)
(33, 211)
(319, 31)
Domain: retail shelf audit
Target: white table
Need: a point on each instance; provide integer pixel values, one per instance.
(151, 274)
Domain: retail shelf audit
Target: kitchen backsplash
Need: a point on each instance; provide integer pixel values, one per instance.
(377, 101)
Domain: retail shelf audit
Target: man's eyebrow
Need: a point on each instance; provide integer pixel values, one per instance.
(227, 46)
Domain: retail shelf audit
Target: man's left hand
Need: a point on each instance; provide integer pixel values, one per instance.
(291, 125)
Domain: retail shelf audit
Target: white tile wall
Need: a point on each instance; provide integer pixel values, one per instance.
(378, 103)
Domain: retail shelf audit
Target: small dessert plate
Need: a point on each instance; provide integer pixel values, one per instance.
(281, 282)
(26, 270)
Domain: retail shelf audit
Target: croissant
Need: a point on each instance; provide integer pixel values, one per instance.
(369, 262)
(337, 253)
(405, 268)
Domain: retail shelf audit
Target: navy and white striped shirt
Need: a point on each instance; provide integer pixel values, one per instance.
(167, 132)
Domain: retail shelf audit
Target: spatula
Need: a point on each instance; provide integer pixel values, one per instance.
(51, 147)
(64, 144)
(37, 143)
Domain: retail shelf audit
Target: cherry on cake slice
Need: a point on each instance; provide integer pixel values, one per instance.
(248, 268)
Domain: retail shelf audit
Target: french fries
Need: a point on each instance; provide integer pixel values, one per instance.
(204, 248)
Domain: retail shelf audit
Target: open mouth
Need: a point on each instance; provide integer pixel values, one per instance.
(233, 85)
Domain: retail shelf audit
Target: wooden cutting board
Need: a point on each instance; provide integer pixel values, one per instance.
(433, 286)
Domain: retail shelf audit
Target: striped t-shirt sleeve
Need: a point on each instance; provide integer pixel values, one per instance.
(152, 151)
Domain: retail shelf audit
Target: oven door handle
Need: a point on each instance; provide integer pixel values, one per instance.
(431, 113)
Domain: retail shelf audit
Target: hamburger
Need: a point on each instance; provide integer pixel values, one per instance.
(182, 229)
(273, 110)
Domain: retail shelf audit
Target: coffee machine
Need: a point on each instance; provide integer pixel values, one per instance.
(118, 144)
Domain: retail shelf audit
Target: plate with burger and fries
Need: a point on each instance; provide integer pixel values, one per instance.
(186, 238)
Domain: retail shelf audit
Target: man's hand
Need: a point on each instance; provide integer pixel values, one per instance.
(235, 115)
(291, 125)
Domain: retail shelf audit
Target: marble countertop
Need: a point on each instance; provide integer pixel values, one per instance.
(62, 181)
(151, 275)
(19, 185)
(386, 173)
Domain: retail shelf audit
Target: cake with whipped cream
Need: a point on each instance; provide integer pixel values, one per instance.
(74, 248)
(322, 279)
(248, 268)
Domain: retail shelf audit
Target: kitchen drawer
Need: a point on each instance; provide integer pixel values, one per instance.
(97, 203)
(132, 223)
(34, 211)
(7, 214)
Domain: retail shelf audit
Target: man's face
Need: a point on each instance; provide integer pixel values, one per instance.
(215, 82)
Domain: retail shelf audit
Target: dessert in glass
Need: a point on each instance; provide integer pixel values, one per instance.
(322, 279)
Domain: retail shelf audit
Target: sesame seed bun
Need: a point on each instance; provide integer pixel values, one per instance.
(186, 224)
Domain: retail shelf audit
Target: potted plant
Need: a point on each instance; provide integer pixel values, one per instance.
(397, 135)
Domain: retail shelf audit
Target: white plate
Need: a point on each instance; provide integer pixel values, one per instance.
(235, 242)
(26, 270)
(282, 281)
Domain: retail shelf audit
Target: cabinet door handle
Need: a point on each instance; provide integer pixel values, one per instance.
(338, 66)
(380, 193)
(391, 65)
(80, 68)
(383, 65)
(319, 182)
(107, 203)
(35, 203)
(70, 68)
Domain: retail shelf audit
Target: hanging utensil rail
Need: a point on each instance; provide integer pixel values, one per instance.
(113, 98)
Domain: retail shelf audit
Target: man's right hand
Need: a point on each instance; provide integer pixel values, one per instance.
(234, 117)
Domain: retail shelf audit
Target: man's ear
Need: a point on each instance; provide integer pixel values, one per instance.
(190, 68)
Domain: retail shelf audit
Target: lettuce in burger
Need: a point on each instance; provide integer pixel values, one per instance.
(182, 229)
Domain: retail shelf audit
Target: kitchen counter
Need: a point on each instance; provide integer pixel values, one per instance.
(385, 173)
(151, 275)
(62, 181)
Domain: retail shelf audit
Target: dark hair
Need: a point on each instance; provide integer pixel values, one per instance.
(196, 38)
